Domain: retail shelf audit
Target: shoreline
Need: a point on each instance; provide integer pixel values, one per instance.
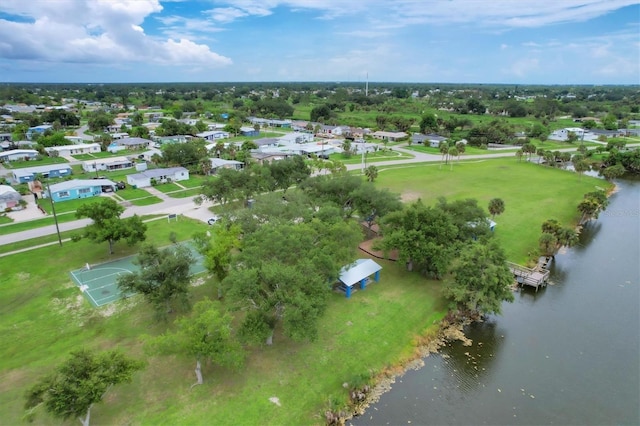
(430, 343)
(446, 331)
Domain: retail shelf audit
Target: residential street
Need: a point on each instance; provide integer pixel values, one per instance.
(186, 206)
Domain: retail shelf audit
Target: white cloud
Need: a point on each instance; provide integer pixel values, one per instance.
(400, 13)
(523, 67)
(93, 31)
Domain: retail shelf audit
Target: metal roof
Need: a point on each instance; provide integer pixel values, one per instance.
(358, 270)
(81, 183)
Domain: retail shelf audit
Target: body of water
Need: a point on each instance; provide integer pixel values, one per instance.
(566, 355)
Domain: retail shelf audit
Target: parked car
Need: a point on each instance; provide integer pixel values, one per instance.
(212, 220)
(121, 185)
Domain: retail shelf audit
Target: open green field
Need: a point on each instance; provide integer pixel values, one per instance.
(184, 193)
(43, 317)
(532, 194)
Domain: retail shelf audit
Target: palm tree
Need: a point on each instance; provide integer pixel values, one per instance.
(519, 154)
(444, 150)
(371, 173)
(453, 152)
(496, 207)
(205, 166)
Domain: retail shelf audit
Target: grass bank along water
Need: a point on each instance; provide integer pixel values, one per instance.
(532, 194)
(373, 332)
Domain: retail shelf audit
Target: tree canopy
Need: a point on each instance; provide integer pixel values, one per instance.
(107, 224)
(206, 334)
(81, 381)
(282, 275)
(424, 237)
(482, 279)
(163, 278)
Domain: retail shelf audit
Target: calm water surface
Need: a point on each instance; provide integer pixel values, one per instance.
(568, 355)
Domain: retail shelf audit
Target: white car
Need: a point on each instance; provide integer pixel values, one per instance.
(212, 220)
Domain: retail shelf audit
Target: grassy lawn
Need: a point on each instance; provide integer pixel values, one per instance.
(5, 220)
(43, 321)
(147, 201)
(34, 163)
(105, 154)
(132, 193)
(531, 193)
(185, 193)
(167, 187)
(193, 181)
(36, 223)
(66, 206)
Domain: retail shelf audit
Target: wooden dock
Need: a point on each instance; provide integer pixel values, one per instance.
(536, 277)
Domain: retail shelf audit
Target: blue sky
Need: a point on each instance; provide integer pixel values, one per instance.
(455, 41)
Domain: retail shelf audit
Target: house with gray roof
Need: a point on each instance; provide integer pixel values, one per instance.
(18, 155)
(430, 139)
(221, 163)
(69, 150)
(108, 164)
(28, 174)
(9, 198)
(162, 175)
(134, 143)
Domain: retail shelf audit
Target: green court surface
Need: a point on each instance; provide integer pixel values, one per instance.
(99, 282)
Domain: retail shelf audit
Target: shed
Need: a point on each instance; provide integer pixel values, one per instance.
(358, 272)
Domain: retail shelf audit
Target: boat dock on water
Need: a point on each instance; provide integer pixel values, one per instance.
(535, 277)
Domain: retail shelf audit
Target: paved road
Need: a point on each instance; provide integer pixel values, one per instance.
(183, 206)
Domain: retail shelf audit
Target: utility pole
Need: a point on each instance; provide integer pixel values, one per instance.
(55, 218)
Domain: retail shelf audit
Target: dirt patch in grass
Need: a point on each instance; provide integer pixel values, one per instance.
(409, 196)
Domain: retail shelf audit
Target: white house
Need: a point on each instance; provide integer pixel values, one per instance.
(171, 174)
(213, 135)
(563, 134)
(18, 154)
(215, 126)
(389, 136)
(69, 150)
(295, 137)
(107, 164)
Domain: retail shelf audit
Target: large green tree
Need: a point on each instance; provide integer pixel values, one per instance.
(206, 335)
(73, 387)
(424, 237)
(372, 203)
(163, 278)
(283, 272)
(482, 279)
(107, 224)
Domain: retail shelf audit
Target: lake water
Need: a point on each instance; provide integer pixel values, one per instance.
(567, 355)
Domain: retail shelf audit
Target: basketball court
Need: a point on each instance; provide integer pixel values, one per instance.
(99, 282)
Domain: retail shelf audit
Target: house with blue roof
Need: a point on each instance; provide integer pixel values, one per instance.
(38, 130)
